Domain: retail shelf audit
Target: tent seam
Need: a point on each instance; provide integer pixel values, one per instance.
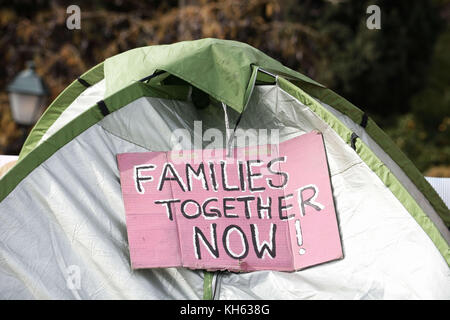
(121, 138)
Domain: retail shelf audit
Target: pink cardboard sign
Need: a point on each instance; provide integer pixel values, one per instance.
(260, 208)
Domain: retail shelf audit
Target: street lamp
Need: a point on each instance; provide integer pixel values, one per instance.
(27, 96)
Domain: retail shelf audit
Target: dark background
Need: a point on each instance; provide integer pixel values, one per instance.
(399, 74)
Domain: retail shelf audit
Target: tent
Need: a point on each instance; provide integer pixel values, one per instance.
(61, 208)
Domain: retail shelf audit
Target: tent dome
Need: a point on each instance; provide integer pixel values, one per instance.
(62, 212)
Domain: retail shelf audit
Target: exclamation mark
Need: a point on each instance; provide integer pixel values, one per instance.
(298, 230)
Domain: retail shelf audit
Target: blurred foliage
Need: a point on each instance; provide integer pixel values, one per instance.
(399, 74)
(428, 149)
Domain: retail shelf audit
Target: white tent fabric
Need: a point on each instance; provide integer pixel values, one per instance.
(62, 222)
(442, 187)
(67, 219)
(84, 101)
(381, 240)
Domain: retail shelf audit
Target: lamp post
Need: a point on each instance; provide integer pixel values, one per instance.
(27, 98)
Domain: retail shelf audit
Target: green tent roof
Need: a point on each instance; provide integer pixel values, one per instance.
(221, 68)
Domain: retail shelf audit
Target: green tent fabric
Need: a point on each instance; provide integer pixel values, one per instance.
(229, 74)
(220, 68)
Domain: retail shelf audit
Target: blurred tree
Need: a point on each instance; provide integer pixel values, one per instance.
(427, 149)
(434, 99)
(397, 73)
(378, 70)
(431, 109)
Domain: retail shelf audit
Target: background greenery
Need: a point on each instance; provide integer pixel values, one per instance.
(400, 74)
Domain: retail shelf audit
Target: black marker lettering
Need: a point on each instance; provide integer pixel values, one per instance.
(283, 174)
(246, 200)
(310, 201)
(175, 177)
(228, 207)
(190, 216)
(212, 173)
(168, 203)
(260, 207)
(138, 178)
(241, 175)
(252, 175)
(282, 207)
(261, 249)
(199, 175)
(213, 212)
(226, 187)
(212, 248)
(226, 242)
